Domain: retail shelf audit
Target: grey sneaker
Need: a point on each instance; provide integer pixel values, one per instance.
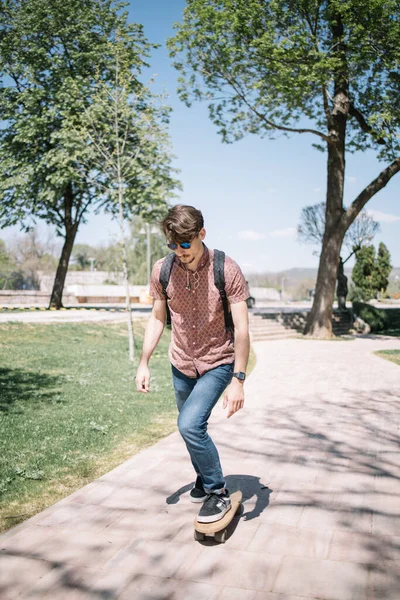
(197, 494)
(214, 508)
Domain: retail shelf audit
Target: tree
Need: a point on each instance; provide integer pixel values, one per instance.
(33, 254)
(81, 253)
(123, 137)
(52, 56)
(370, 273)
(383, 268)
(138, 250)
(362, 274)
(312, 227)
(325, 68)
(10, 276)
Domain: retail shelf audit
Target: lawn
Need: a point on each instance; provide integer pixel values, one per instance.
(69, 411)
(392, 355)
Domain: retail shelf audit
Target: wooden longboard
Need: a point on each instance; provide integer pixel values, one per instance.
(217, 530)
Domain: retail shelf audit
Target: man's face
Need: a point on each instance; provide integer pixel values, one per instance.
(189, 255)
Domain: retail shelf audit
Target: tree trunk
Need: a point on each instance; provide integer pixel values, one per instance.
(71, 228)
(319, 322)
(126, 280)
(62, 269)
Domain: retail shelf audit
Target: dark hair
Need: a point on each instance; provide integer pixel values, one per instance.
(182, 223)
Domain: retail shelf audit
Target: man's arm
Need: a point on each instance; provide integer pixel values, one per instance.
(154, 329)
(234, 396)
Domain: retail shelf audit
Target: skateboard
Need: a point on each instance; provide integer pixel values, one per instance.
(218, 529)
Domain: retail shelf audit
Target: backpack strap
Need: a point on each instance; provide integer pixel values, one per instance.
(219, 281)
(164, 277)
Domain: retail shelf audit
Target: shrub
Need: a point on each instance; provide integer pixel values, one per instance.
(376, 318)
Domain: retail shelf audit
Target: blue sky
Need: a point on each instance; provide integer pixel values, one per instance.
(251, 192)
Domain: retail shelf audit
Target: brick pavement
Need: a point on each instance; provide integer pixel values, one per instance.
(316, 453)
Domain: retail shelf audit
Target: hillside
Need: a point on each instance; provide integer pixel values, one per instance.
(297, 282)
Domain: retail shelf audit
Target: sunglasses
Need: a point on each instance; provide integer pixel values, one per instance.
(184, 245)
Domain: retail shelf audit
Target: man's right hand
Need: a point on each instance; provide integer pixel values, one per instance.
(143, 379)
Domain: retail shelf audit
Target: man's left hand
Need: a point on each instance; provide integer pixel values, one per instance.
(234, 397)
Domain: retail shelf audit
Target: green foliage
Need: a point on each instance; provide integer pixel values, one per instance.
(137, 250)
(10, 275)
(51, 56)
(123, 140)
(264, 65)
(57, 64)
(370, 273)
(108, 258)
(383, 268)
(80, 257)
(376, 318)
(363, 272)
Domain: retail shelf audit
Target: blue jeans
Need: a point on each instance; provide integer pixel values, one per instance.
(195, 399)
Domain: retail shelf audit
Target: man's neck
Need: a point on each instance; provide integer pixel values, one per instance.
(193, 266)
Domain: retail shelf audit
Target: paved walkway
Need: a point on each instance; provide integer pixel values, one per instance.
(316, 454)
(70, 316)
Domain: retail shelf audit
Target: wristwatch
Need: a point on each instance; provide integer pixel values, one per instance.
(239, 375)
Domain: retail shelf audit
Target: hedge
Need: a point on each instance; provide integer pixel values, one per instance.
(378, 319)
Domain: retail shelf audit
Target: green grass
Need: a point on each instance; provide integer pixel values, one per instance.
(69, 410)
(392, 355)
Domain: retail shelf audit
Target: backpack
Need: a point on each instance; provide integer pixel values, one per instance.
(219, 281)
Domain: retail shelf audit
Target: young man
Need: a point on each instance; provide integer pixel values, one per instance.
(202, 354)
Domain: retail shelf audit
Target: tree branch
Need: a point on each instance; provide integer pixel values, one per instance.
(271, 124)
(374, 187)
(88, 179)
(354, 112)
(84, 209)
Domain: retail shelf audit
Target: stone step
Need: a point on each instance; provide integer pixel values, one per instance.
(265, 326)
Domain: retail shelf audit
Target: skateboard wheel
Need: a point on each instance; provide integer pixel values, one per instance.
(221, 536)
(199, 537)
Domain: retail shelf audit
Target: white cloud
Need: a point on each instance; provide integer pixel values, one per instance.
(351, 179)
(316, 189)
(288, 232)
(251, 236)
(383, 217)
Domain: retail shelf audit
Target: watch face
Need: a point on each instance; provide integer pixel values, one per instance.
(240, 375)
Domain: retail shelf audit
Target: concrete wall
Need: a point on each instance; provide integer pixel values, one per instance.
(31, 298)
(264, 294)
(79, 278)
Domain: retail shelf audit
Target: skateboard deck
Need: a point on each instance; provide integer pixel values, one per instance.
(217, 530)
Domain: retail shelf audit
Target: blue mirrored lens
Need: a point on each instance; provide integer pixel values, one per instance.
(184, 245)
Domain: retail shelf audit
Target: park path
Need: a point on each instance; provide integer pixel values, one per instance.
(316, 453)
(78, 315)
